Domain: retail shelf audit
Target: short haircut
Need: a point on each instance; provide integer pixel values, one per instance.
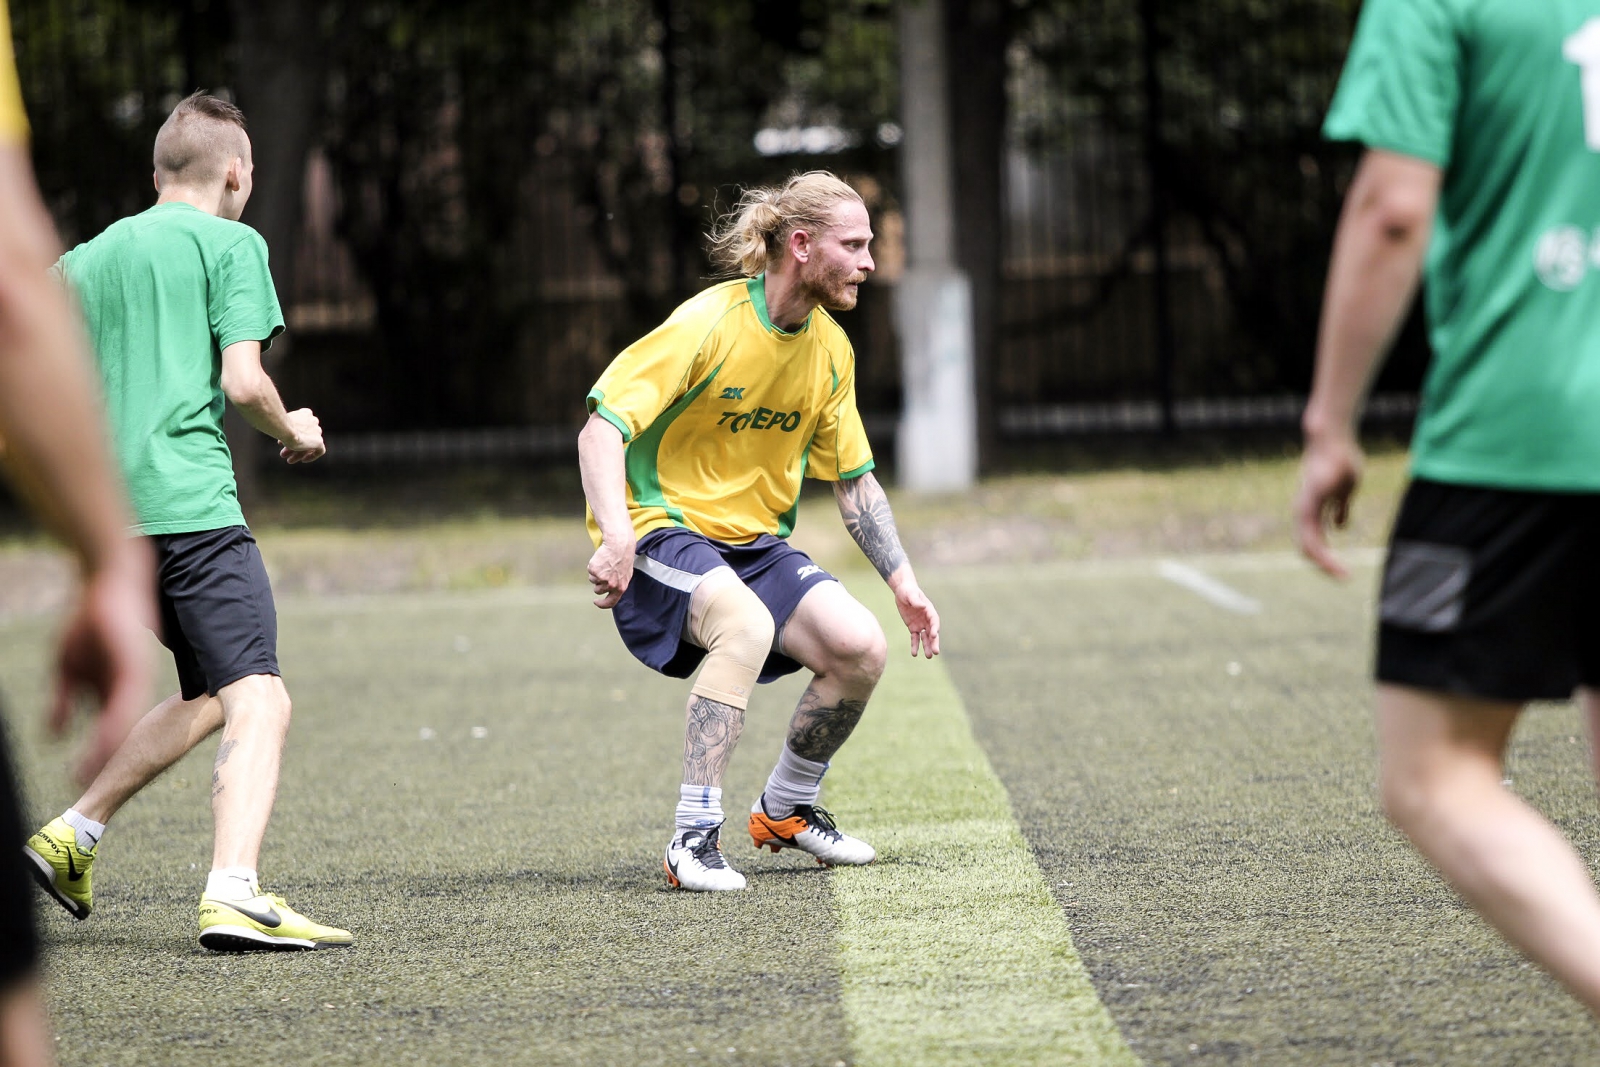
(199, 139)
(752, 235)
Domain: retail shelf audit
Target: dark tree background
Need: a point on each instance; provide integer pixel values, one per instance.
(517, 190)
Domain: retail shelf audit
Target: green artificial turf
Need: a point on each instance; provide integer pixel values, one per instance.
(952, 951)
(505, 891)
(1198, 787)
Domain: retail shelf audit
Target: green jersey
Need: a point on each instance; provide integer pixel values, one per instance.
(164, 292)
(1504, 96)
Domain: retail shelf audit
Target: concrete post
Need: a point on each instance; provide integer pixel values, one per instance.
(938, 439)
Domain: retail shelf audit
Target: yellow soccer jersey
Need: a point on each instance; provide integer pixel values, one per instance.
(724, 414)
(13, 120)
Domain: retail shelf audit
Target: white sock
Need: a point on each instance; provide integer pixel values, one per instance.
(699, 807)
(794, 781)
(232, 883)
(89, 831)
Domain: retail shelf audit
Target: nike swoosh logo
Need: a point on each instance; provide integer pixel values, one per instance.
(73, 874)
(268, 918)
(671, 866)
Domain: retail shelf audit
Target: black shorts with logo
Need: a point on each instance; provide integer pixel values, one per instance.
(1492, 593)
(217, 614)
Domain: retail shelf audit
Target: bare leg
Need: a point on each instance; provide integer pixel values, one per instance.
(163, 737)
(708, 742)
(244, 782)
(24, 1027)
(1441, 783)
(838, 639)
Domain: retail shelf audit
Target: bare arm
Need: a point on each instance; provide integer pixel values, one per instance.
(56, 450)
(246, 384)
(601, 464)
(1372, 278)
(865, 509)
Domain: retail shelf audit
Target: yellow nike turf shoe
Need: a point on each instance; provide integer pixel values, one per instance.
(262, 923)
(60, 867)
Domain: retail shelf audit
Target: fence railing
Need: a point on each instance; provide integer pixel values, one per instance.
(1168, 209)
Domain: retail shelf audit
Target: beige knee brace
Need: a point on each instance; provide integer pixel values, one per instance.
(735, 628)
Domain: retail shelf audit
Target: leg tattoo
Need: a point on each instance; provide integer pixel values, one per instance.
(708, 742)
(224, 750)
(816, 732)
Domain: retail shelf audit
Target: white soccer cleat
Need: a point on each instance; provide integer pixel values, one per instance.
(694, 861)
(810, 829)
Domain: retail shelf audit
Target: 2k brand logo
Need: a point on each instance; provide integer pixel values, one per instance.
(733, 392)
(806, 572)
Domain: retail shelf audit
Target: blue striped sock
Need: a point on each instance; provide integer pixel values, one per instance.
(699, 807)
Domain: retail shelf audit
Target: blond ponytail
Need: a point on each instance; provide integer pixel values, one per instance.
(747, 239)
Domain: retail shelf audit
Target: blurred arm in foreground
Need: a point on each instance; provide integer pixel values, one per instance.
(1372, 278)
(58, 457)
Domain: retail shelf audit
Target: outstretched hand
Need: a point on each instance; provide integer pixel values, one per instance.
(103, 652)
(1330, 472)
(920, 617)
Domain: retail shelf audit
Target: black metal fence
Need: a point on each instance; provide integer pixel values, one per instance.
(496, 200)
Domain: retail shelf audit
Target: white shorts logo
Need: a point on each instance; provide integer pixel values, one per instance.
(806, 572)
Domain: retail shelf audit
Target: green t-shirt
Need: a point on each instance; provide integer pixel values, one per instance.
(1504, 96)
(164, 292)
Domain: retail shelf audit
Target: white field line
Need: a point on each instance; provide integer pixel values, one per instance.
(952, 950)
(1089, 570)
(1208, 588)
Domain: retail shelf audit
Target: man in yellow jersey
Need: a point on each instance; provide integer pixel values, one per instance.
(55, 450)
(698, 437)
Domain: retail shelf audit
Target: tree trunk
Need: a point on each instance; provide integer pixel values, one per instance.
(978, 33)
(279, 87)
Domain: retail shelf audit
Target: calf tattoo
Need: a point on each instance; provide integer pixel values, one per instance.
(816, 732)
(224, 750)
(708, 741)
(865, 509)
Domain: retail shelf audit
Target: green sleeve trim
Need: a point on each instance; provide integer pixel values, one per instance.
(251, 334)
(597, 408)
(859, 471)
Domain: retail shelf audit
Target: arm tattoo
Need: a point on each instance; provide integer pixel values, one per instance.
(708, 741)
(224, 750)
(816, 732)
(866, 514)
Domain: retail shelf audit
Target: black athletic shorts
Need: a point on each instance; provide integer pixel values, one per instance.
(217, 615)
(19, 941)
(1492, 593)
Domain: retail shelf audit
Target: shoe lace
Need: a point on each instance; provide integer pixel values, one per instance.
(819, 819)
(708, 850)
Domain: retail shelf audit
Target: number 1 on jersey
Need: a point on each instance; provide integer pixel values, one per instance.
(1583, 49)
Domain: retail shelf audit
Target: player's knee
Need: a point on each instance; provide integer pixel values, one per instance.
(859, 649)
(736, 630)
(1409, 800)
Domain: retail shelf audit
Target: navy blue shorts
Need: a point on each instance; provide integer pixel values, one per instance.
(653, 614)
(217, 614)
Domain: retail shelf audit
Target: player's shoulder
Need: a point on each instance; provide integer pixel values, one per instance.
(831, 335)
(215, 233)
(706, 311)
(715, 301)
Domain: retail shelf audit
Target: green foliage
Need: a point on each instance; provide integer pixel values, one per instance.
(1243, 86)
